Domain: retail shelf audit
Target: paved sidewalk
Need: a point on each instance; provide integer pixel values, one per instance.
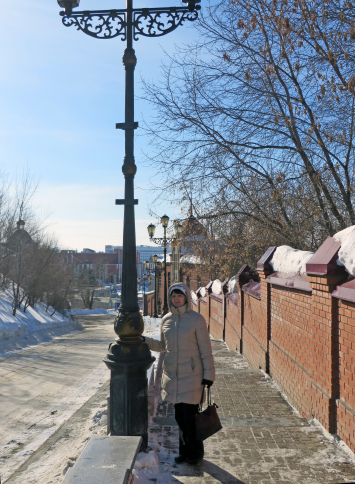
(262, 440)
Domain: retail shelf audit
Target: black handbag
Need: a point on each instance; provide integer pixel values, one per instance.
(207, 421)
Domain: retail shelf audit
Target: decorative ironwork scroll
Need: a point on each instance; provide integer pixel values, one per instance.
(155, 22)
(99, 24)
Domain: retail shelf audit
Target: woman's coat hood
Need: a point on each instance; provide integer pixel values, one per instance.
(186, 289)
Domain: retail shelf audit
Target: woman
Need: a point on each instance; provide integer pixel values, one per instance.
(188, 366)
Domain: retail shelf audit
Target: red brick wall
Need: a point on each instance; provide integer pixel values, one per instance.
(324, 317)
(204, 308)
(305, 338)
(216, 316)
(254, 333)
(233, 323)
(346, 402)
(292, 341)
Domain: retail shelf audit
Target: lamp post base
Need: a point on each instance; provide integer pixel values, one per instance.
(129, 388)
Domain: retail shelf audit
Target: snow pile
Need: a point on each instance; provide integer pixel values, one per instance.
(149, 461)
(194, 297)
(232, 285)
(287, 259)
(203, 291)
(347, 250)
(33, 320)
(216, 287)
(86, 312)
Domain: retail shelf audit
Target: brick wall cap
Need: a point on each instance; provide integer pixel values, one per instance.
(243, 269)
(345, 291)
(290, 279)
(253, 289)
(233, 298)
(324, 260)
(264, 263)
(217, 297)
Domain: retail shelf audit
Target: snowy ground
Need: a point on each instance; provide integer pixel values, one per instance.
(32, 327)
(40, 399)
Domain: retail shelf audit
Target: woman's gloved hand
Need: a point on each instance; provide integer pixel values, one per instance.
(209, 383)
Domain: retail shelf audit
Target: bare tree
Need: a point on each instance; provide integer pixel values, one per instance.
(259, 116)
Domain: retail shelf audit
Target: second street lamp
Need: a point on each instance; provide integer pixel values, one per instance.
(164, 241)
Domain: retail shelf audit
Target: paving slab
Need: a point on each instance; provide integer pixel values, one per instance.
(263, 440)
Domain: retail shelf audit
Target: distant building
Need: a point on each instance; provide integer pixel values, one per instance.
(108, 266)
(146, 251)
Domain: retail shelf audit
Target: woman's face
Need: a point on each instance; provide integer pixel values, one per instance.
(177, 299)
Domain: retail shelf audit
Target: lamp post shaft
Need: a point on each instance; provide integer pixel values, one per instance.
(129, 268)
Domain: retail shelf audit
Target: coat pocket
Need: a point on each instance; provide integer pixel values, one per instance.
(192, 363)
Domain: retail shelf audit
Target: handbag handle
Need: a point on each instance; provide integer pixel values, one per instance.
(209, 396)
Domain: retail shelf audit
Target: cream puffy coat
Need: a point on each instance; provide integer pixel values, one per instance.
(188, 354)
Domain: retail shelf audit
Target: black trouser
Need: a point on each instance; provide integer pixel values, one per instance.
(189, 446)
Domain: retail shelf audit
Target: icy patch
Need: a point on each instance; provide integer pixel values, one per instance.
(287, 259)
(347, 250)
(332, 439)
(216, 287)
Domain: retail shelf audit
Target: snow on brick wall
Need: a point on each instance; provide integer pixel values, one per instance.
(232, 285)
(287, 259)
(347, 250)
(216, 287)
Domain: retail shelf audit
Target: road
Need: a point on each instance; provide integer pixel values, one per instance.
(43, 386)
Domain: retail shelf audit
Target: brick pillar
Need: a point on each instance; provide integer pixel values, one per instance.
(224, 294)
(198, 294)
(244, 275)
(264, 270)
(208, 300)
(323, 276)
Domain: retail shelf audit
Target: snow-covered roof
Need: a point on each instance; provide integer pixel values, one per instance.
(190, 259)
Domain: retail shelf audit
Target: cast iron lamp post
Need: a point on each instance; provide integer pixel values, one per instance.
(164, 240)
(128, 358)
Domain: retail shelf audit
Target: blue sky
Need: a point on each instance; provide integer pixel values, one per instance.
(61, 94)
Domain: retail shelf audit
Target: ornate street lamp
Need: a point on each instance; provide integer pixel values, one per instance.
(164, 240)
(128, 358)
